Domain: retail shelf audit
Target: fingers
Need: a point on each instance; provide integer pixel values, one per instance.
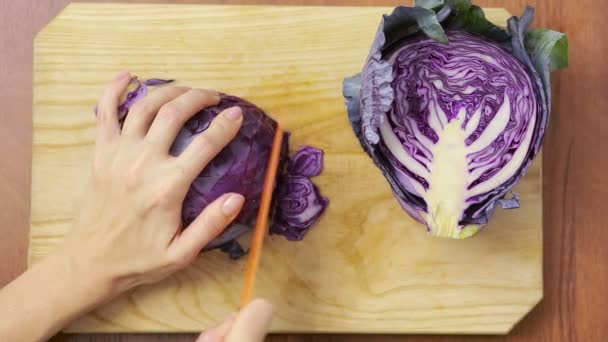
(209, 224)
(173, 115)
(251, 323)
(143, 112)
(217, 334)
(211, 142)
(107, 108)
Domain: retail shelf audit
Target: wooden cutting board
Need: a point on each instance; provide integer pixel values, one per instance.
(366, 267)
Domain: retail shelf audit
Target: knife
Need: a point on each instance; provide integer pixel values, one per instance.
(261, 223)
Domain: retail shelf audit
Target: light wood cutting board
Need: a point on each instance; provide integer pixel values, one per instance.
(366, 267)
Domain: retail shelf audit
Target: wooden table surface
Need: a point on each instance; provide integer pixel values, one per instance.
(575, 176)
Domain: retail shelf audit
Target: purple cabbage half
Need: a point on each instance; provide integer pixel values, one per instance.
(241, 166)
(453, 109)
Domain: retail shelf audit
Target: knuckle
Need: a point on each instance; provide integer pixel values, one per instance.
(215, 227)
(132, 180)
(222, 126)
(207, 141)
(220, 132)
(213, 222)
(175, 90)
(102, 114)
(172, 92)
(209, 97)
(142, 107)
(169, 113)
(163, 198)
(180, 171)
(135, 174)
(176, 260)
(108, 92)
(111, 92)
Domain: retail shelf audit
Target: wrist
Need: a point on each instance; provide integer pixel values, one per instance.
(87, 286)
(48, 296)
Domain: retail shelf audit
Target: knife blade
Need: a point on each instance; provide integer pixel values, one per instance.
(261, 224)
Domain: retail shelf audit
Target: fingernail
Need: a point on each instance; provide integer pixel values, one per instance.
(258, 312)
(121, 75)
(233, 113)
(233, 204)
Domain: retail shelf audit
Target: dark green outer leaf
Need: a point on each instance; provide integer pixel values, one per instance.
(430, 4)
(471, 18)
(547, 48)
(405, 21)
(459, 5)
(428, 16)
(517, 29)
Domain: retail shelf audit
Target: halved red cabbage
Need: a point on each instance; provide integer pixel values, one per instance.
(453, 109)
(240, 167)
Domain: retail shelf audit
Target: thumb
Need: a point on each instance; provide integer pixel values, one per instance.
(252, 322)
(217, 334)
(209, 224)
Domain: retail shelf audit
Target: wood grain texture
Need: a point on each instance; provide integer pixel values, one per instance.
(575, 274)
(392, 277)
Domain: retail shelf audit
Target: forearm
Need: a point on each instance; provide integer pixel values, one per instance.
(47, 297)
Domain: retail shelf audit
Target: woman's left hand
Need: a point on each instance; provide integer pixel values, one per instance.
(128, 231)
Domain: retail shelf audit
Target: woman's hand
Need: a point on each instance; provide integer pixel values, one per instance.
(128, 231)
(249, 325)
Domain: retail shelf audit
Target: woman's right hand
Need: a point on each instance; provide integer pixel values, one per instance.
(249, 325)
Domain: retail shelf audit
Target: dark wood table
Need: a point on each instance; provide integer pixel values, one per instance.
(575, 170)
